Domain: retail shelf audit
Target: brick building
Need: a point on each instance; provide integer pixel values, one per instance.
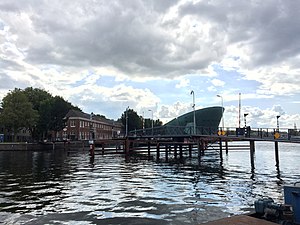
(83, 126)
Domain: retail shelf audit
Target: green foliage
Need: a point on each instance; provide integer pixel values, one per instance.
(34, 109)
(18, 112)
(134, 121)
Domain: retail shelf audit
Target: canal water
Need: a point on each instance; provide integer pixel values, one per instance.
(68, 187)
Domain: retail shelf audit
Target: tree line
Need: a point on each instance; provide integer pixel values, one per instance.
(35, 110)
(40, 113)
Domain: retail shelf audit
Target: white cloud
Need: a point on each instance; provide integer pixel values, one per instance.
(67, 48)
(217, 82)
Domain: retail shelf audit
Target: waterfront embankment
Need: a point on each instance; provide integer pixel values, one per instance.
(24, 146)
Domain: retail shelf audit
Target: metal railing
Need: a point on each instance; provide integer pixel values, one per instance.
(248, 132)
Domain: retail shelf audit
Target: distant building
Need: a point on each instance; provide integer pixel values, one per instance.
(83, 126)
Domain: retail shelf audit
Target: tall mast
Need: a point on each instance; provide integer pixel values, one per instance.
(239, 110)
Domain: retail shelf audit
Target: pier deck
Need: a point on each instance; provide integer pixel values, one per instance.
(240, 220)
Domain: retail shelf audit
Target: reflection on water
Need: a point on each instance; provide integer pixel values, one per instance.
(60, 187)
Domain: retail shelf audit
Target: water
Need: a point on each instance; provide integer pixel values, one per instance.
(61, 187)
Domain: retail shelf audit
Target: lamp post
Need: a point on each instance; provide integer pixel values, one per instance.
(277, 117)
(193, 93)
(222, 103)
(127, 121)
(150, 110)
(245, 115)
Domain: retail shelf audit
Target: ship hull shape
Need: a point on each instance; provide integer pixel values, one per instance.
(207, 121)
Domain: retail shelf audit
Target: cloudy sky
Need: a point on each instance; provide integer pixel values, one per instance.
(150, 54)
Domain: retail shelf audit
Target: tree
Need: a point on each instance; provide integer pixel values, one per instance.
(134, 122)
(17, 112)
(53, 112)
(37, 96)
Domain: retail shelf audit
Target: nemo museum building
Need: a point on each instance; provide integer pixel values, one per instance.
(207, 121)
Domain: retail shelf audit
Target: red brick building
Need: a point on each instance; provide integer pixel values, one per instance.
(83, 126)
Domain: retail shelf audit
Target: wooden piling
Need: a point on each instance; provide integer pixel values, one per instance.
(166, 153)
(226, 146)
(180, 151)
(252, 150)
(175, 151)
(103, 148)
(199, 144)
(157, 151)
(92, 149)
(221, 150)
(149, 148)
(190, 150)
(127, 145)
(276, 154)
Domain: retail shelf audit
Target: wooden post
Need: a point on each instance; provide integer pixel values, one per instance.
(190, 150)
(102, 148)
(221, 151)
(166, 153)
(157, 150)
(92, 149)
(127, 144)
(252, 150)
(180, 151)
(199, 146)
(276, 154)
(149, 147)
(226, 146)
(175, 151)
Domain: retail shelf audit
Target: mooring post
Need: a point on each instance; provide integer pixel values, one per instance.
(221, 152)
(149, 148)
(102, 148)
(157, 150)
(199, 145)
(252, 150)
(166, 153)
(276, 154)
(127, 144)
(204, 145)
(175, 151)
(180, 151)
(226, 146)
(92, 147)
(190, 150)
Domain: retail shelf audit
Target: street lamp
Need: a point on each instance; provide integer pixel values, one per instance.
(192, 93)
(245, 132)
(277, 117)
(152, 119)
(127, 121)
(245, 115)
(222, 103)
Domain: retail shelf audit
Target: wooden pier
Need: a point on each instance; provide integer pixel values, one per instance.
(178, 147)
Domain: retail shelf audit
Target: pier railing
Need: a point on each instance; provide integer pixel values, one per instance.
(282, 134)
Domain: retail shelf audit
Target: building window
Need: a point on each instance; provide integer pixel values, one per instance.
(72, 123)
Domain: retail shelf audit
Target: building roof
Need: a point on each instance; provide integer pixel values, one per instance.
(77, 113)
